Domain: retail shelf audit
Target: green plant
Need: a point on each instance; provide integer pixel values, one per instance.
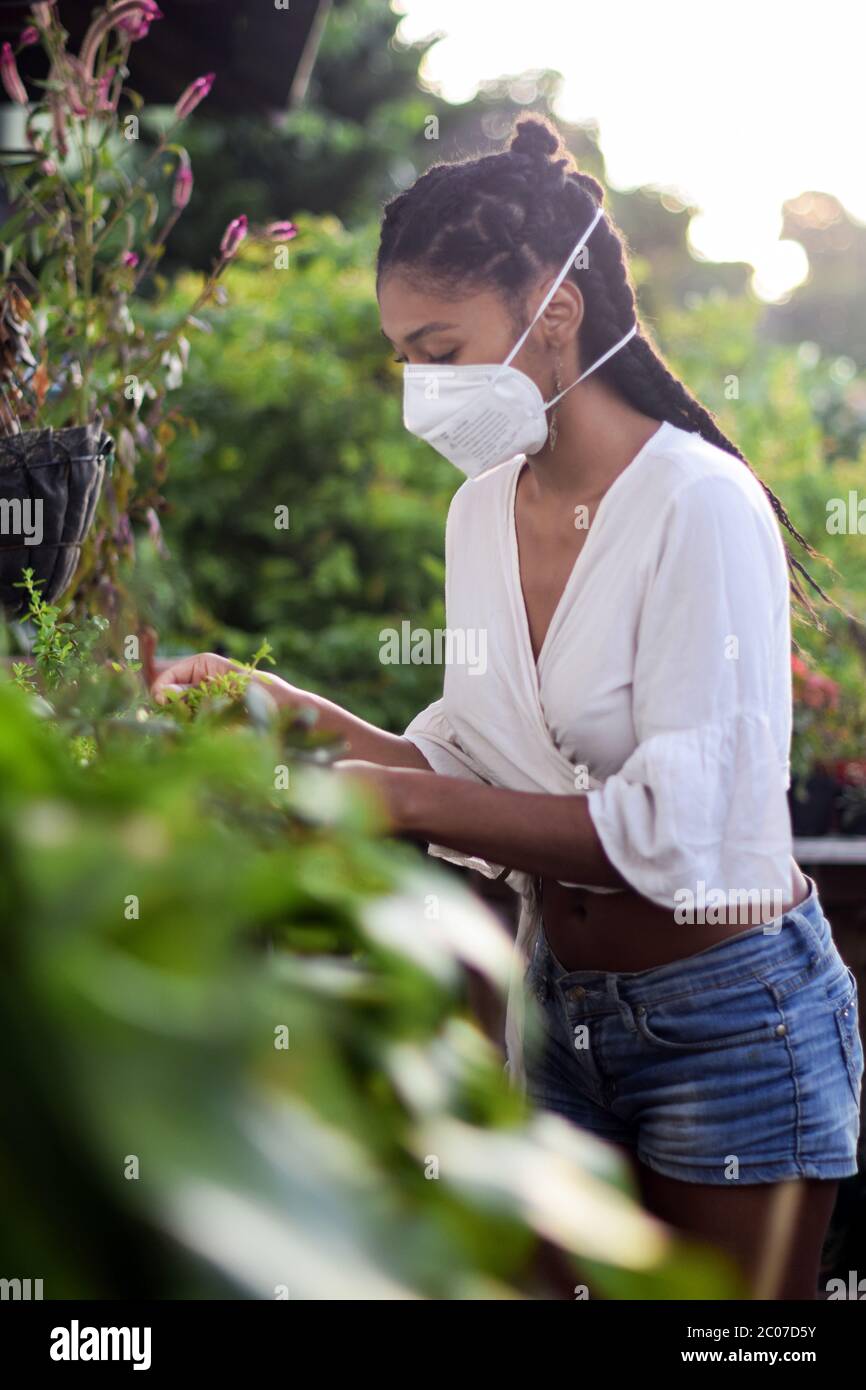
(220, 983)
(61, 649)
(80, 253)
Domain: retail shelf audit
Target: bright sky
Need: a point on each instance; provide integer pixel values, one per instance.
(736, 105)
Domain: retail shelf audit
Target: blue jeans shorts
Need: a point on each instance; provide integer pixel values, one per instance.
(742, 1062)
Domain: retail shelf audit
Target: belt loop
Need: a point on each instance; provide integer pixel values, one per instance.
(807, 927)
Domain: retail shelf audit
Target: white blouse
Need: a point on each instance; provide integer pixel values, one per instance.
(662, 691)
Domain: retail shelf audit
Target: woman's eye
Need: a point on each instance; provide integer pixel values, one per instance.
(436, 361)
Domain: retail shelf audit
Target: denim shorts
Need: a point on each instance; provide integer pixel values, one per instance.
(742, 1062)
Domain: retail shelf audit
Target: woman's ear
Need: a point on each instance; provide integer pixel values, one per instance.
(563, 316)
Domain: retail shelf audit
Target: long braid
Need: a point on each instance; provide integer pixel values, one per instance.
(499, 220)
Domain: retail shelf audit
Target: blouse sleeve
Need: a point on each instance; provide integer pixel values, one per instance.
(702, 799)
(432, 734)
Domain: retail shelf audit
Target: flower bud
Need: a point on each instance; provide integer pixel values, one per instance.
(281, 231)
(10, 77)
(193, 95)
(233, 236)
(182, 191)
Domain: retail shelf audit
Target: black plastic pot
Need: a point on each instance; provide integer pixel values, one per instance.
(65, 470)
(812, 815)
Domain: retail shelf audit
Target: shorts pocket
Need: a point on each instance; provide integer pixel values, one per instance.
(711, 1019)
(845, 1011)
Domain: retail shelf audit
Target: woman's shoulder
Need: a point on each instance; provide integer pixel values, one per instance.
(698, 484)
(690, 468)
(711, 512)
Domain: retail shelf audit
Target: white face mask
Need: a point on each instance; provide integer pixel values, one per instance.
(481, 416)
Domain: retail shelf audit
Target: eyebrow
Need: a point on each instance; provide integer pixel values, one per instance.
(420, 332)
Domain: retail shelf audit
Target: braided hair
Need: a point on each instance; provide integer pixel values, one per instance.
(498, 221)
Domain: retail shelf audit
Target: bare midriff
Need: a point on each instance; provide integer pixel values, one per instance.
(625, 931)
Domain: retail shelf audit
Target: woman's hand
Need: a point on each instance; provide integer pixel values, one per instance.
(385, 784)
(192, 670)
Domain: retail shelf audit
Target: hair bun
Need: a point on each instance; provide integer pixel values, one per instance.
(534, 136)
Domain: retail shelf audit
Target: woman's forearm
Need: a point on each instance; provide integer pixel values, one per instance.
(365, 740)
(542, 834)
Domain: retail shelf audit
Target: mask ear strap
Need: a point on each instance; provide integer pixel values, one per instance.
(595, 366)
(554, 287)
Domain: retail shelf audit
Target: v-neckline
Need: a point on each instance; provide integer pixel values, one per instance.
(520, 598)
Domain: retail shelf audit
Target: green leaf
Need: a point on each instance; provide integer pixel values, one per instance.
(151, 210)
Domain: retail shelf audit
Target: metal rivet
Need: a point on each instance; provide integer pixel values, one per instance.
(640, 1010)
(781, 1030)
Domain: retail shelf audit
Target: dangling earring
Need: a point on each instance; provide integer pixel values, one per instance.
(553, 432)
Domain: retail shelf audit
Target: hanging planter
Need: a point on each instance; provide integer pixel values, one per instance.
(50, 483)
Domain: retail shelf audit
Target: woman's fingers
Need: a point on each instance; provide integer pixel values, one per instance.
(189, 670)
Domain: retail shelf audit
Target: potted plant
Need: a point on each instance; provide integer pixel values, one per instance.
(83, 373)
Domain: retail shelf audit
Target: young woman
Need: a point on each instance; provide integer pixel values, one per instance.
(623, 754)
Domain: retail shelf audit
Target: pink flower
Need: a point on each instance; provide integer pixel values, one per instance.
(15, 89)
(133, 16)
(281, 231)
(182, 191)
(28, 36)
(48, 166)
(233, 236)
(193, 95)
(130, 258)
(138, 26)
(103, 97)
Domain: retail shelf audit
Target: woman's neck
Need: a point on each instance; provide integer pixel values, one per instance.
(598, 435)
